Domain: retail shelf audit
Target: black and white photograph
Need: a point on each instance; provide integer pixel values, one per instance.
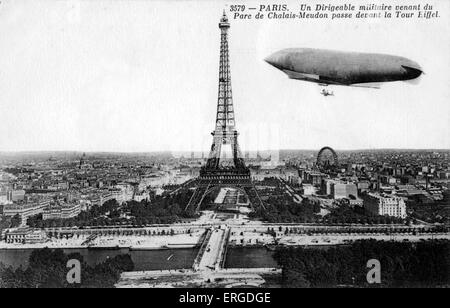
(205, 146)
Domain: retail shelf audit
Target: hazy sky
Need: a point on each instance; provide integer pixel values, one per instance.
(143, 75)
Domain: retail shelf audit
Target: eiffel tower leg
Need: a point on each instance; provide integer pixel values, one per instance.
(202, 197)
(197, 199)
(191, 206)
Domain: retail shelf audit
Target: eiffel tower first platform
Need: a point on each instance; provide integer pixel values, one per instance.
(218, 172)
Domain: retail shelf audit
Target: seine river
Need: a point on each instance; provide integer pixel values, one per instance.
(246, 257)
(237, 257)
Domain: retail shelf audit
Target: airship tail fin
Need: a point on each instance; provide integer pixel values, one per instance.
(412, 72)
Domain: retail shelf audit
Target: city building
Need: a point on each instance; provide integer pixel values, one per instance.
(341, 190)
(363, 186)
(308, 189)
(313, 177)
(338, 189)
(26, 209)
(379, 204)
(11, 195)
(289, 175)
(325, 186)
(17, 195)
(62, 211)
(25, 236)
(141, 196)
(4, 198)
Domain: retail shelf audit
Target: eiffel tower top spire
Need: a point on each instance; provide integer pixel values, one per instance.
(225, 111)
(224, 20)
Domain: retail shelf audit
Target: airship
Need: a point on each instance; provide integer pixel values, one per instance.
(330, 67)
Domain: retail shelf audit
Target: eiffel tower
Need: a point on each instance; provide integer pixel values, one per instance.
(218, 171)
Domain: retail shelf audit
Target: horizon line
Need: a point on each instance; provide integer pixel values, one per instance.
(207, 151)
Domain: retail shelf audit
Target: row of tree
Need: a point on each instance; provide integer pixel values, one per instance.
(48, 269)
(403, 264)
(9, 222)
(346, 214)
(164, 209)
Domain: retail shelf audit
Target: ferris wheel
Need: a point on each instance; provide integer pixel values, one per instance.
(327, 159)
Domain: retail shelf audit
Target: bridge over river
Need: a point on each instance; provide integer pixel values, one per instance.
(206, 270)
(212, 253)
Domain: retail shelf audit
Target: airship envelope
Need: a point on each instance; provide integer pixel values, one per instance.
(329, 67)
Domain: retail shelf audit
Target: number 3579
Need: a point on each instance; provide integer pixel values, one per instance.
(237, 8)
